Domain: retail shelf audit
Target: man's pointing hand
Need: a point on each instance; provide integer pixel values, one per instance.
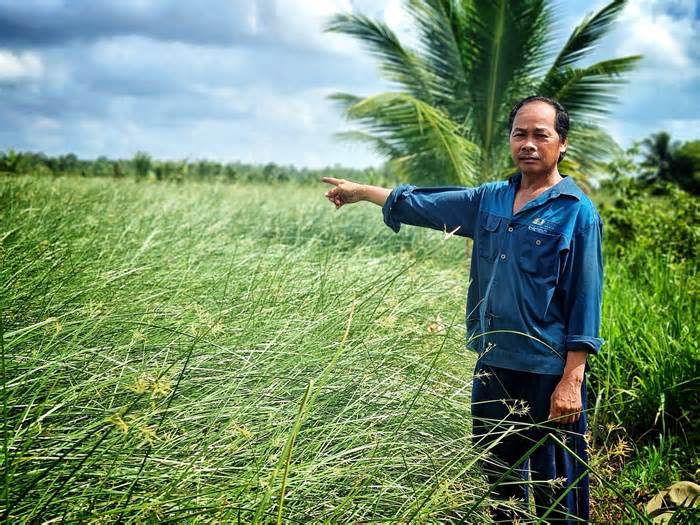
(344, 192)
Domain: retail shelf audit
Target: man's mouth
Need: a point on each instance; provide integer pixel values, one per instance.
(529, 158)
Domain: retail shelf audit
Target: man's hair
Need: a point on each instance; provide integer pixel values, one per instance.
(561, 117)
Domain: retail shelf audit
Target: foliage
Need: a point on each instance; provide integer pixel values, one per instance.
(142, 163)
(639, 471)
(646, 380)
(143, 166)
(157, 358)
(473, 61)
(670, 161)
(661, 219)
(647, 375)
(9, 161)
(686, 166)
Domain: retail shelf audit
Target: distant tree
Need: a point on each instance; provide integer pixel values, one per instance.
(686, 166)
(658, 150)
(231, 172)
(141, 163)
(668, 160)
(181, 170)
(447, 120)
(9, 161)
(622, 165)
(68, 163)
(117, 169)
(102, 167)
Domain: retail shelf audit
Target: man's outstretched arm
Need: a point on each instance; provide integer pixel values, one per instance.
(448, 208)
(347, 192)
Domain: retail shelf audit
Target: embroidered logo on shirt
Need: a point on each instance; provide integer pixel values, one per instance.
(538, 221)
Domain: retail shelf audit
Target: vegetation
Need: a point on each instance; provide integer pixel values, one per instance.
(143, 167)
(268, 357)
(669, 161)
(447, 120)
(262, 360)
(646, 382)
(272, 360)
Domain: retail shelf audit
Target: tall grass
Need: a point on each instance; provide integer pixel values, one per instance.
(646, 380)
(225, 353)
(163, 346)
(648, 374)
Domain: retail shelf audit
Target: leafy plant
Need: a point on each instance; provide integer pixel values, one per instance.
(447, 121)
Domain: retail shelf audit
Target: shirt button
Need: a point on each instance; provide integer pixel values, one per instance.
(538, 242)
(510, 228)
(503, 256)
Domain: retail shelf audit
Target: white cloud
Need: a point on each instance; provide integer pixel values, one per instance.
(19, 66)
(248, 80)
(303, 22)
(664, 32)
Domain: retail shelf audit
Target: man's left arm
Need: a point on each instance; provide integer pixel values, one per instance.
(582, 283)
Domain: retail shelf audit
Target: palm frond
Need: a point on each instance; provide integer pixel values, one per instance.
(588, 92)
(590, 149)
(586, 35)
(344, 100)
(411, 125)
(474, 59)
(439, 23)
(509, 36)
(399, 64)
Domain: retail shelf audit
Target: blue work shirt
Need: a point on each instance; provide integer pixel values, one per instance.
(536, 277)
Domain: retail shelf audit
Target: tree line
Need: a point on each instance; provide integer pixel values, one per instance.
(655, 159)
(142, 166)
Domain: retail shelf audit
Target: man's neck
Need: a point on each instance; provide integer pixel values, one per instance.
(534, 182)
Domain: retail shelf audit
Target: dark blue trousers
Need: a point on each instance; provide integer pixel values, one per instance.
(502, 399)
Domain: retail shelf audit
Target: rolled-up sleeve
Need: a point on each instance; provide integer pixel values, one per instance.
(582, 286)
(440, 208)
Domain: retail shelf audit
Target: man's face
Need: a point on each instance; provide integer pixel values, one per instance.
(534, 143)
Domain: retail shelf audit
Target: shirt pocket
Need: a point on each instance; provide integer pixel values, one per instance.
(538, 253)
(488, 235)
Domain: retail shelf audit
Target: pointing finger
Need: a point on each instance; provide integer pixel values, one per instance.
(331, 180)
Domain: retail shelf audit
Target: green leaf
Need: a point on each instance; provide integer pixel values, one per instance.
(586, 35)
(421, 132)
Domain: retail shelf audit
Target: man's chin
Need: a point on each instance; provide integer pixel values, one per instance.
(532, 168)
(529, 168)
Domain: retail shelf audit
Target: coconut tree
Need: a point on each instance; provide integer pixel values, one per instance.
(659, 155)
(446, 119)
(668, 160)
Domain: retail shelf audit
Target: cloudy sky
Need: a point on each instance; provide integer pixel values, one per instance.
(248, 79)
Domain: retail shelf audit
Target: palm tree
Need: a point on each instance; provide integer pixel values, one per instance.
(659, 155)
(666, 160)
(447, 120)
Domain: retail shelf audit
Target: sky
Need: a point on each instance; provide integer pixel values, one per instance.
(248, 80)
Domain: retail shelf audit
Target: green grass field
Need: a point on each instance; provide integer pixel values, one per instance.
(180, 351)
(225, 353)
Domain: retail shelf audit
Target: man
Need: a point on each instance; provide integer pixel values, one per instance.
(533, 308)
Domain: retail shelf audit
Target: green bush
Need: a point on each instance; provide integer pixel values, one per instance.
(646, 378)
(662, 219)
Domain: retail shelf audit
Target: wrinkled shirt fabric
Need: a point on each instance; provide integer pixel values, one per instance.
(536, 276)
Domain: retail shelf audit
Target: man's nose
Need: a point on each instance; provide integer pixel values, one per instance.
(528, 146)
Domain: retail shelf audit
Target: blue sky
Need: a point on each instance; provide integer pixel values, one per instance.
(248, 80)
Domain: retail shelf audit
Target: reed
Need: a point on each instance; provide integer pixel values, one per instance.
(184, 352)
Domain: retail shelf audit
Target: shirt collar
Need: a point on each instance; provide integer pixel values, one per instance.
(567, 186)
